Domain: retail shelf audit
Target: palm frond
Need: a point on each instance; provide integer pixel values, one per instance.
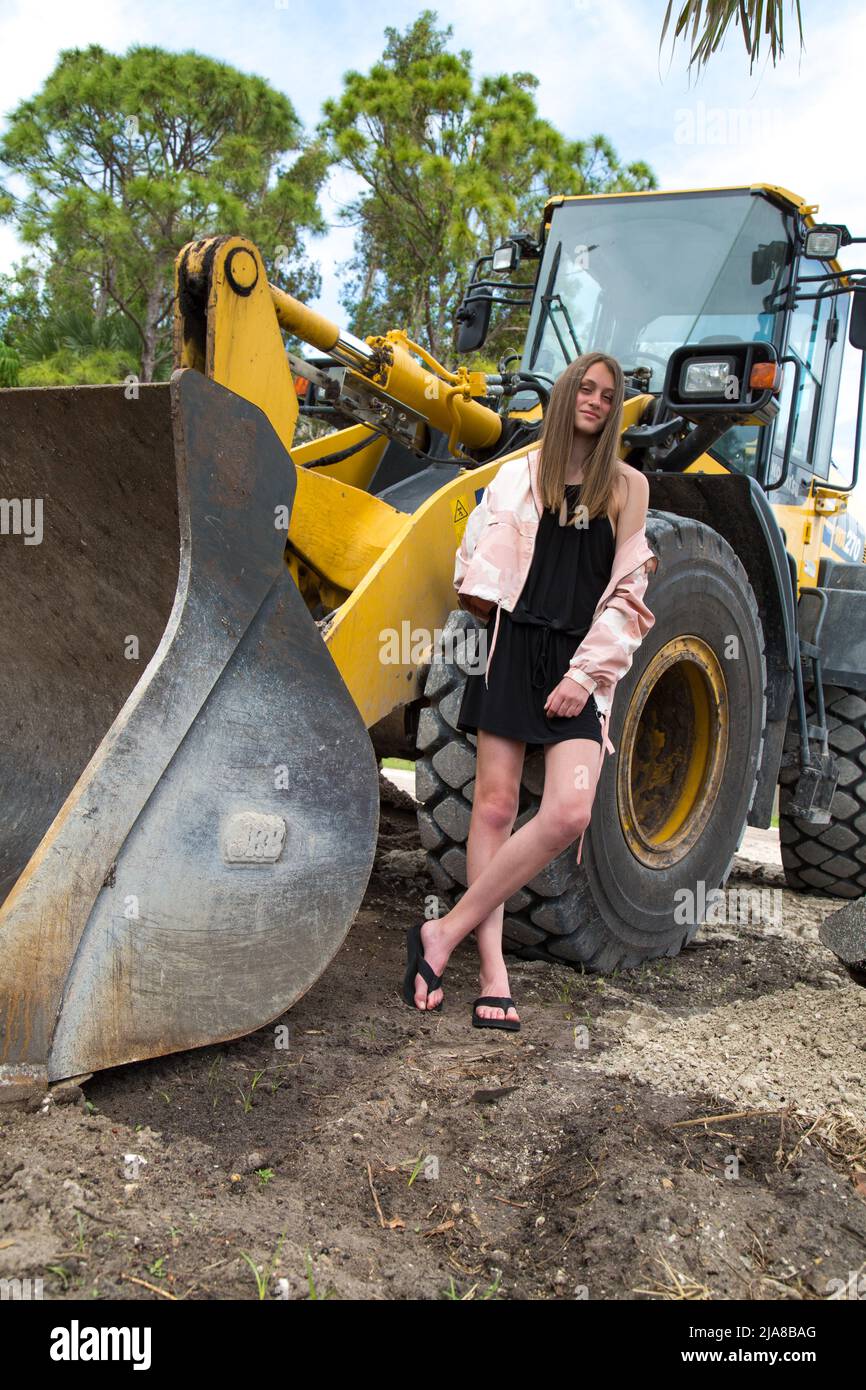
(81, 332)
(761, 22)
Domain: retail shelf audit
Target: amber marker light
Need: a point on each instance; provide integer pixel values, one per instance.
(765, 376)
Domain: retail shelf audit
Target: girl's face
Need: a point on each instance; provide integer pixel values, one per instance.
(594, 399)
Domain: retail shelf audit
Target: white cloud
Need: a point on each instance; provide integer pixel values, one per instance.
(34, 34)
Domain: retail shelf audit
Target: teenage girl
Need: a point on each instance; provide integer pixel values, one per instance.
(530, 701)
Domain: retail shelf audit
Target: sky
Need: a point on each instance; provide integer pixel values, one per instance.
(599, 67)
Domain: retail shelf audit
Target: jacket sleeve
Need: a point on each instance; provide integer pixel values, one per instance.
(475, 524)
(606, 652)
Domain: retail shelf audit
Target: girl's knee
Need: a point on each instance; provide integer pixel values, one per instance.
(496, 807)
(564, 823)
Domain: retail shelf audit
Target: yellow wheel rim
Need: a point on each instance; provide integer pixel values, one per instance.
(672, 752)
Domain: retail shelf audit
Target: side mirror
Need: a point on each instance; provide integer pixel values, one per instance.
(767, 261)
(857, 325)
(474, 319)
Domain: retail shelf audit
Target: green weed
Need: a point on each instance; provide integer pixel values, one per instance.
(62, 1273)
(490, 1292)
(311, 1282)
(263, 1276)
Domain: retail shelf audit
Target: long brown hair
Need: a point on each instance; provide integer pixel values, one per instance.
(557, 436)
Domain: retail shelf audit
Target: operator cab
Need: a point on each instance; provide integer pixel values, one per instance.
(641, 275)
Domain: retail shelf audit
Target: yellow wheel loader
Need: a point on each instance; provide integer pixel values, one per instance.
(211, 634)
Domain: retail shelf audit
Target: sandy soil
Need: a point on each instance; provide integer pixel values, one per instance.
(695, 1129)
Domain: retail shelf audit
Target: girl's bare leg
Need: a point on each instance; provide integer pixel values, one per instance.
(495, 802)
(571, 771)
(494, 810)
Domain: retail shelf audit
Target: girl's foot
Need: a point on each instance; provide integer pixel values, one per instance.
(437, 954)
(495, 983)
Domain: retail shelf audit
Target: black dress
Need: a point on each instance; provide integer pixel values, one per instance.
(571, 567)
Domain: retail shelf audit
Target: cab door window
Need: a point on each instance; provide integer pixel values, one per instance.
(809, 344)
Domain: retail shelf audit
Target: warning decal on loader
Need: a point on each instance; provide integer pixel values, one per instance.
(461, 507)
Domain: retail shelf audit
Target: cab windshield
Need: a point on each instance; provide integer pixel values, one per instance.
(640, 276)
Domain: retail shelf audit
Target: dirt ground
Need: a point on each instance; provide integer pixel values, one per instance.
(696, 1129)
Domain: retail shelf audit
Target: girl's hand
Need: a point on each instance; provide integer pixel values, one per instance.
(566, 700)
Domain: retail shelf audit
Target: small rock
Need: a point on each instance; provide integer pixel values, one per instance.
(66, 1093)
(248, 1163)
(132, 1165)
(402, 863)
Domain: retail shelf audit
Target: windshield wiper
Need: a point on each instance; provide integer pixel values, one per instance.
(549, 301)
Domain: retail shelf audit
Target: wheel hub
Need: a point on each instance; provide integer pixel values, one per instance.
(673, 748)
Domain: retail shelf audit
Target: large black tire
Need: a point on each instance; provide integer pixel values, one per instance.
(829, 859)
(617, 908)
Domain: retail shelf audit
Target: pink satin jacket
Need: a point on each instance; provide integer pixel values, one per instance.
(493, 560)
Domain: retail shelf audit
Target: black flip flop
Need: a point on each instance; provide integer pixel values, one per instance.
(508, 1025)
(417, 965)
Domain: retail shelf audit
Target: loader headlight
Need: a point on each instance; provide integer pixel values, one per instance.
(707, 379)
(505, 257)
(822, 243)
(742, 381)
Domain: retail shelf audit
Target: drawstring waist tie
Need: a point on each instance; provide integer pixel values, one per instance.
(543, 675)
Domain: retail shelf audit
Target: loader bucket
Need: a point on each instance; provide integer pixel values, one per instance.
(189, 794)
